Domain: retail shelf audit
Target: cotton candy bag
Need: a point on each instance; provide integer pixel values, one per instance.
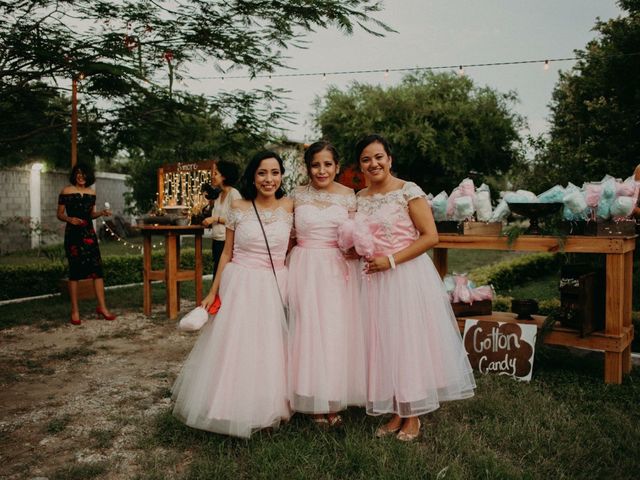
(483, 203)
(439, 206)
(553, 195)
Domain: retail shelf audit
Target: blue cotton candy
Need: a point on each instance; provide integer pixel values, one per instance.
(521, 196)
(607, 197)
(622, 207)
(463, 208)
(575, 205)
(501, 212)
(553, 195)
(439, 206)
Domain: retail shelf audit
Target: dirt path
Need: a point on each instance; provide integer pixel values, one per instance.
(73, 397)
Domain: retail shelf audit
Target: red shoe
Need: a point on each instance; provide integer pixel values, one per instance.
(75, 321)
(99, 311)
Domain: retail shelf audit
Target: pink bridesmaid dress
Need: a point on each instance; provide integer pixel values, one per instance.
(326, 337)
(234, 381)
(416, 355)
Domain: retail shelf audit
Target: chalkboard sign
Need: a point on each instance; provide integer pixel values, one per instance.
(505, 348)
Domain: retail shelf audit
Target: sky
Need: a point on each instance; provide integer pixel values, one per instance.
(435, 33)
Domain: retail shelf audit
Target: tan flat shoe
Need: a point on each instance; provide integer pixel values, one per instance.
(408, 437)
(384, 430)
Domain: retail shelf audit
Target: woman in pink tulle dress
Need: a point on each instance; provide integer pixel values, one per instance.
(327, 365)
(416, 356)
(234, 381)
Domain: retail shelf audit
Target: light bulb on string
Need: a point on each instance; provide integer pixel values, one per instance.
(324, 77)
(461, 71)
(386, 74)
(546, 65)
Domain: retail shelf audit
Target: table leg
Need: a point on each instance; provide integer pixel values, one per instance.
(628, 301)
(615, 307)
(178, 245)
(146, 270)
(440, 261)
(171, 273)
(198, 268)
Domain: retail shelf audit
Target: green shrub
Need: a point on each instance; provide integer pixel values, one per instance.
(517, 270)
(18, 281)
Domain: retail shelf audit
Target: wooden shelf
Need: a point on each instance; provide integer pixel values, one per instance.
(616, 339)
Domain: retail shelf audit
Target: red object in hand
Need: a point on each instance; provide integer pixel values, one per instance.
(215, 306)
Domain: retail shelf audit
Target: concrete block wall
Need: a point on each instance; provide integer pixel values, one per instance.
(15, 202)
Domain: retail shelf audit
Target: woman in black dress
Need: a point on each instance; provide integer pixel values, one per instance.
(77, 208)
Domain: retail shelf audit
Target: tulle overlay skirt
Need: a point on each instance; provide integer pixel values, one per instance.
(326, 334)
(416, 356)
(234, 380)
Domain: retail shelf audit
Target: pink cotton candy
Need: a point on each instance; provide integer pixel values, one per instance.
(363, 236)
(345, 235)
(626, 188)
(481, 293)
(592, 194)
(461, 292)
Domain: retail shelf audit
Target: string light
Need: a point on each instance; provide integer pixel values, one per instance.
(133, 246)
(409, 69)
(386, 74)
(546, 65)
(460, 70)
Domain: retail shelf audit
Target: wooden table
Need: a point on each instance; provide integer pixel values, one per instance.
(616, 339)
(172, 275)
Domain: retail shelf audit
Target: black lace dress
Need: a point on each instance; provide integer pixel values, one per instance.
(80, 241)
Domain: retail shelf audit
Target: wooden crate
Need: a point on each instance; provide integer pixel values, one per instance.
(481, 307)
(601, 228)
(469, 228)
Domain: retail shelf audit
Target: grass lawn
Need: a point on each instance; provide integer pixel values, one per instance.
(564, 424)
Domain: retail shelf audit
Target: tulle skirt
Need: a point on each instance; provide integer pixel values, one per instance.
(234, 380)
(416, 355)
(326, 334)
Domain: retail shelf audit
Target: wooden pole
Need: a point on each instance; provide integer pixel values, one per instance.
(74, 122)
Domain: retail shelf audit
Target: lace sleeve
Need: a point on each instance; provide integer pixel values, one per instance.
(410, 191)
(232, 218)
(352, 204)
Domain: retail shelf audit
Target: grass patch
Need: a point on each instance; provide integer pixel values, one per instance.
(80, 471)
(55, 311)
(565, 423)
(58, 424)
(102, 438)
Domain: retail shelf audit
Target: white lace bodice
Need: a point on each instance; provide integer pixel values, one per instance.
(389, 213)
(249, 247)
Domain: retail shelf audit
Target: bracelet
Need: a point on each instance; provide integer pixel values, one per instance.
(392, 262)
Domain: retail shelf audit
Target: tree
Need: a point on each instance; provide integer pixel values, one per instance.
(137, 48)
(185, 128)
(595, 123)
(441, 126)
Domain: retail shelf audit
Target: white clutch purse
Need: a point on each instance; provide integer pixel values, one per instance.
(194, 320)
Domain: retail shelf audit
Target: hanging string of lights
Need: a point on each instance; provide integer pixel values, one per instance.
(118, 238)
(460, 68)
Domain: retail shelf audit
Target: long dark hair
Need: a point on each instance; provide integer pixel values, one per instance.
(318, 147)
(248, 189)
(87, 171)
(368, 140)
(229, 171)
